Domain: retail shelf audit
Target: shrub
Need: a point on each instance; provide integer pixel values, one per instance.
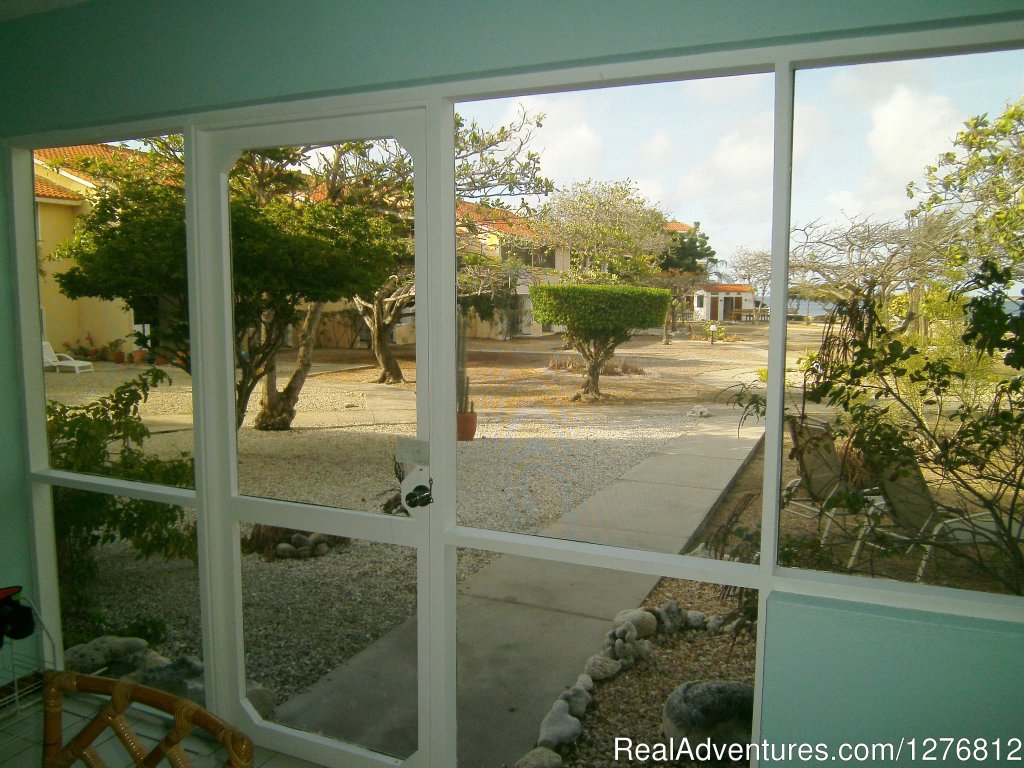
(598, 318)
(105, 437)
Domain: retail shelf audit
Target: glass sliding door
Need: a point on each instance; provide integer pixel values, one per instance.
(316, 432)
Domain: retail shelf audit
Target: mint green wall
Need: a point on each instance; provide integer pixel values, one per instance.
(832, 669)
(15, 552)
(841, 672)
(109, 59)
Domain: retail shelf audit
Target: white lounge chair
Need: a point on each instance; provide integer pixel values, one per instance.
(58, 361)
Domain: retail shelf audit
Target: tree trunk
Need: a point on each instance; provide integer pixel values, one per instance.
(390, 370)
(380, 315)
(277, 408)
(665, 338)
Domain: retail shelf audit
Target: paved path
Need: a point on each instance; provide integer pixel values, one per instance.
(526, 626)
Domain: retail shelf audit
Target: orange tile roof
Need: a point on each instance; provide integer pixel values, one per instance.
(50, 191)
(495, 219)
(677, 226)
(729, 288)
(65, 155)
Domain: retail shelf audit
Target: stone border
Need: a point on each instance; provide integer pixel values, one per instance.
(625, 644)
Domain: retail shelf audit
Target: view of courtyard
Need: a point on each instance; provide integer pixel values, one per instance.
(613, 371)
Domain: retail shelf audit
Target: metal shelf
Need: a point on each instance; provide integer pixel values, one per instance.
(23, 669)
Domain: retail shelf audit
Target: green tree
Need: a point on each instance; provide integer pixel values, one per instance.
(598, 318)
(979, 184)
(285, 252)
(689, 251)
(612, 232)
(493, 167)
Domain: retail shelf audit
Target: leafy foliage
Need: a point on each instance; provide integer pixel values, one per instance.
(598, 318)
(689, 251)
(106, 437)
(613, 233)
(131, 246)
(980, 186)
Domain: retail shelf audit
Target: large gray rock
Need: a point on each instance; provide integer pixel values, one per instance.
(182, 677)
(600, 667)
(263, 700)
(577, 699)
(558, 727)
(696, 620)
(541, 757)
(670, 617)
(645, 622)
(585, 682)
(101, 652)
(720, 710)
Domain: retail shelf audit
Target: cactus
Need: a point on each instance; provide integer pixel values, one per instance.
(462, 402)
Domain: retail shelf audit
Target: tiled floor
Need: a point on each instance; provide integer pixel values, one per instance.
(21, 735)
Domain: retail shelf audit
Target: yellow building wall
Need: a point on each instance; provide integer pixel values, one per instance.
(66, 320)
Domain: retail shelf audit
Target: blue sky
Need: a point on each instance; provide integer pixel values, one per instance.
(702, 150)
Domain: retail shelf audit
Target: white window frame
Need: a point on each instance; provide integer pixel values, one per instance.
(446, 535)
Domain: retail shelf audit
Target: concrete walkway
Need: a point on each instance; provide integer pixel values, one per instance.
(526, 626)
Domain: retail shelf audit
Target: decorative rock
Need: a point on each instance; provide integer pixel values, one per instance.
(578, 700)
(645, 622)
(304, 552)
(696, 620)
(670, 617)
(136, 662)
(541, 757)
(715, 624)
(182, 677)
(642, 650)
(321, 549)
(284, 550)
(733, 626)
(262, 699)
(101, 651)
(600, 667)
(299, 541)
(559, 727)
(584, 682)
(316, 538)
(720, 710)
(699, 412)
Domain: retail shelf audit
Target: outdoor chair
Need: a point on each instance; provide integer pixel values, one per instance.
(120, 695)
(822, 489)
(58, 361)
(920, 520)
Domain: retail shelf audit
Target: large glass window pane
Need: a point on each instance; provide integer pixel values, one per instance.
(904, 451)
(331, 640)
(113, 293)
(129, 589)
(324, 321)
(529, 629)
(612, 286)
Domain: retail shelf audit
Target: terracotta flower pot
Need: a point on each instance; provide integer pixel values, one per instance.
(140, 356)
(465, 426)
(119, 357)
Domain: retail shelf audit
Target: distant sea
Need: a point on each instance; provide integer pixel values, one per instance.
(819, 309)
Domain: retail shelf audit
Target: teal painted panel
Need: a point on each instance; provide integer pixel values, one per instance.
(15, 543)
(109, 60)
(841, 672)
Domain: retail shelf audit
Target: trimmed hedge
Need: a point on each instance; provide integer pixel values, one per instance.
(596, 310)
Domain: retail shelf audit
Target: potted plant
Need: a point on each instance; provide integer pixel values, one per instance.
(465, 416)
(140, 356)
(113, 352)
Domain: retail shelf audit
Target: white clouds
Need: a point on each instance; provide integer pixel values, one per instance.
(569, 138)
(908, 129)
